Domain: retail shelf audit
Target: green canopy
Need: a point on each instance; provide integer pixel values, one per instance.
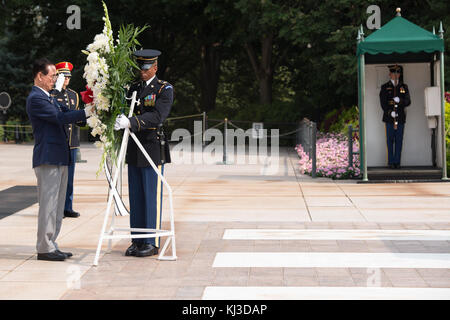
(389, 44)
(400, 36)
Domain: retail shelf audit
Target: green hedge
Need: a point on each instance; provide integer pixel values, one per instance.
(338, 120)
(9, 131)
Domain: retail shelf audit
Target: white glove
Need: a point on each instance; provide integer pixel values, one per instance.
(393, 114)
(122, 122)
(59, 82)
(89, 110)
(397, 99)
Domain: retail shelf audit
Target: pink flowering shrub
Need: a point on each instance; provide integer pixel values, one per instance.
(332, 157)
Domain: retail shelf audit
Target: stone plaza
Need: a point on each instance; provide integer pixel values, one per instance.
(240, 234)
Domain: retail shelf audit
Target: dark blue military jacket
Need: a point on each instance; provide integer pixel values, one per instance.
(387, 94)
(155, 102)
(70, 99)
(48, 118)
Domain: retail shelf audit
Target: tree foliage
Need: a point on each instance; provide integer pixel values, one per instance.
(247, 59)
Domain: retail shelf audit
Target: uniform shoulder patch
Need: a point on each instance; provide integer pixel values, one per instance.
(166, 84)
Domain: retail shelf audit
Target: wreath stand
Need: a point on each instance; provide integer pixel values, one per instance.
(113, 194)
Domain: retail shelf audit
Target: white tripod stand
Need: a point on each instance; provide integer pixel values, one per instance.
(149, 233)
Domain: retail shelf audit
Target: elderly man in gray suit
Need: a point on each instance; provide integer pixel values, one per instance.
(51, 157)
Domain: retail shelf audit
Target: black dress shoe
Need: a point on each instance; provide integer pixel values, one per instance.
(397, 166)
(131, 251)
(146, 250)
(67, 254)
(71, 214)
(392, 166)
(51, 256)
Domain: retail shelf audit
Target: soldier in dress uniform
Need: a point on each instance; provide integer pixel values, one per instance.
(154, 101)
(69, 98)
(394, 98)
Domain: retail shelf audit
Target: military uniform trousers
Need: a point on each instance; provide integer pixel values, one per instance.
(394, 139)
(51, 187)
(146, 195)
(71, 173)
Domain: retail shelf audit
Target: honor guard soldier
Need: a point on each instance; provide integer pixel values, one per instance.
(154, 101)
(394, 98)
(69, 98)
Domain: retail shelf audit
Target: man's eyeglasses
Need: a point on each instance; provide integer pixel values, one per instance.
(54, 77)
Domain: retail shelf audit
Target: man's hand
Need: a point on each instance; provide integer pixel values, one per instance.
(122, 122)
(397, 99)
(89, 110)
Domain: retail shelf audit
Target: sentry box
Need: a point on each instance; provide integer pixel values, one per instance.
(421, 54)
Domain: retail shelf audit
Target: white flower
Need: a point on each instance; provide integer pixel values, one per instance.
(93, 57)
(100, 44)
(93, 121)
(98, 144)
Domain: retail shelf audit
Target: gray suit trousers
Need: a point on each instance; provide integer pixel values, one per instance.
(52, 186)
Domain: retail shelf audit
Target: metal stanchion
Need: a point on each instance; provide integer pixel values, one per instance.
(350, 146)
(204, 129)
(17, 134)
(313, 148)
(309, 139)
(351, 153)
(225, 140)
(78, 158)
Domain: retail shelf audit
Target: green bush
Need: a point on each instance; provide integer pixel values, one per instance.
(10, 131)
(278, 111)
(282, 115)
(338, 120)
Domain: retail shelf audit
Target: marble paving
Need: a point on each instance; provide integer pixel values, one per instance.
(235, 211)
